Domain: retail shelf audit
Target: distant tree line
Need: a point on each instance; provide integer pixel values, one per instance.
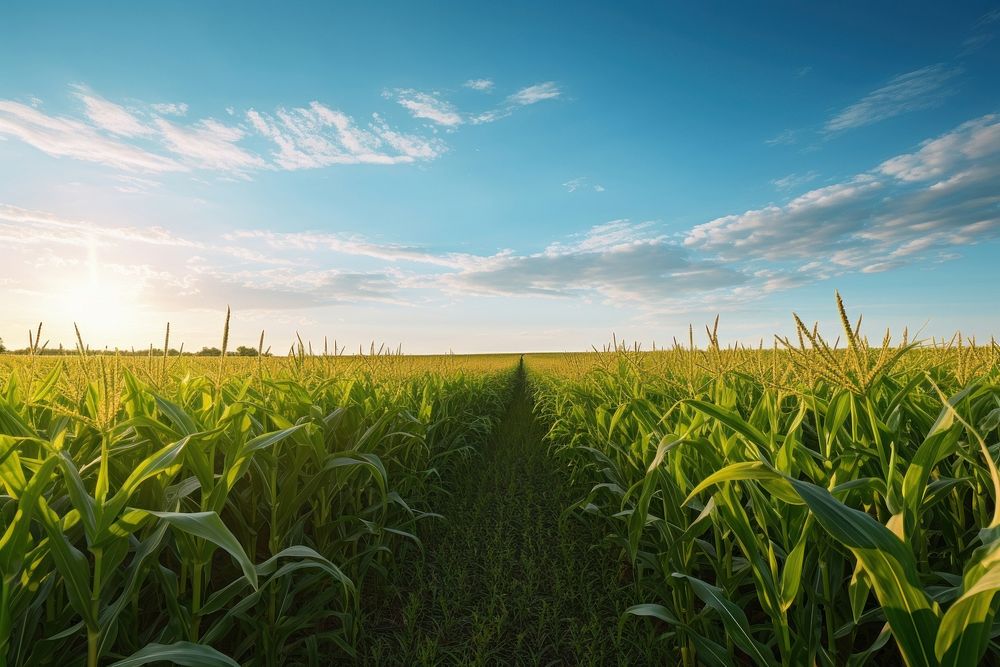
(241, 351)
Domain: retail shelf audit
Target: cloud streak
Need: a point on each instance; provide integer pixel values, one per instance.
(482, 85)
(60, 136)
(318, 136)
(916, 207)
(432, 107)
(429, 107)
(944, 195)
(159, 138)
(920, 89)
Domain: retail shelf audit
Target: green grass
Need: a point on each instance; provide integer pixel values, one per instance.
(507, 579)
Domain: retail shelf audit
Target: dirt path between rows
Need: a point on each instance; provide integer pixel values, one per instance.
(504, 581)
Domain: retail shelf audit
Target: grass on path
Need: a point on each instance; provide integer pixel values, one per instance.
(504, 581)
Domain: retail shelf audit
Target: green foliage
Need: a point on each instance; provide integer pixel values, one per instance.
(231, 515)
(811, 504)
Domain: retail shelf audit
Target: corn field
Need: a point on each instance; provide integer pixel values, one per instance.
(221, 511)
(812, 503)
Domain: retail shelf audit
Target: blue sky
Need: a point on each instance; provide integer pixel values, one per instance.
(482, 177)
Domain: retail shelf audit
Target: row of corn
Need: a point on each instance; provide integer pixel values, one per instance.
(813, 504)
(221, 511)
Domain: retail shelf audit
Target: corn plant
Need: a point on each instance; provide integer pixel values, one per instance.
(216, 512)
(807, 504)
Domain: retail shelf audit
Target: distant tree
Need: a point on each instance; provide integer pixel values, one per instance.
(209, 352)
(245, 351)
(2, 347)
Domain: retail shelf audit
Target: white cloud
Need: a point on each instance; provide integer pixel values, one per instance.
(429, 107)
(783, 138)
(794, 180)
(354, 245)
(110, 116)
(30, 227)
(916, 207)
(317, 136)
(575, 184)
(536, 93)
(66, 137)
(484, 85)
(131, 184)
(920, 89)
(797, 229)
(209, 144)
(172, 109)
(945, 194)
(524, 97)
(307, 137)
(619, 261)
(992, 16)
(973, 140)
(290, 287)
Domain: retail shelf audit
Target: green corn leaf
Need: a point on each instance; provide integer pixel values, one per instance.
(15, 538)
(791, 573)
(733, 618)
(208, 526)
(82, 502)
(747, 470)
(939, 442)
(269, 439)
(180, 653)
(654, 610)
(891, 568)
(736, 423)
(71, 564)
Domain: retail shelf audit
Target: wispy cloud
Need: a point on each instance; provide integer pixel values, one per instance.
(433, 107)
(60, 136)
(318, 136)
(429, 107)
(155, 138)
(110, 116)
(582, 182)
(31, 227)
(921, 89)
(354, 245)
(919, 206)
(131, 184)
(794, 180)
(990, 17)
(944, 195)
(171, 108)
(484, 85)
(210, 144)
(522, 98)
(982, 33)
(784, 138)
(536, 93)
(619, 261)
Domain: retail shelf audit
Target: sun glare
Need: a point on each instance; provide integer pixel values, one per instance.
(101, 309)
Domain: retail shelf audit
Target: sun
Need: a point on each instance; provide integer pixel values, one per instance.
(101, 308)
